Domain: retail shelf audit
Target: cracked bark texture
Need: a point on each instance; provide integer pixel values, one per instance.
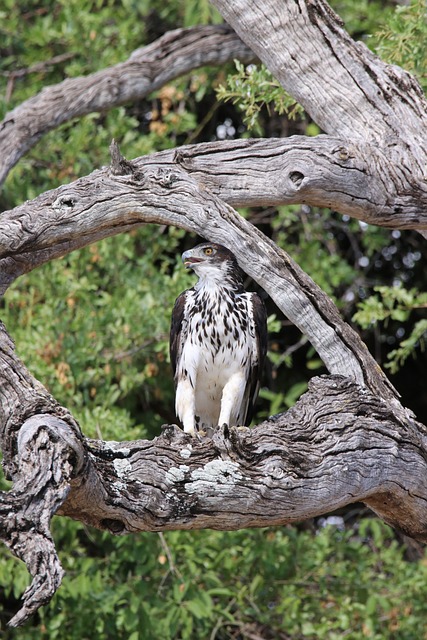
(146, 70)
(126, 196)
(337, 445)
(348, 439)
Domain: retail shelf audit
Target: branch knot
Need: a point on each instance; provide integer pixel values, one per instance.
(120, 166)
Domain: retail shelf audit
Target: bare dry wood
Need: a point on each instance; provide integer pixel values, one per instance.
(45, 461)
(348, 439)
(125, 196)
(339, 444)
(147, 69)
(372, 166)
(347, 90)
(235, 478)
(378, 110)
(42, 451)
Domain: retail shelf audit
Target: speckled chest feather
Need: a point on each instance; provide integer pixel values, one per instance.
(219, 321)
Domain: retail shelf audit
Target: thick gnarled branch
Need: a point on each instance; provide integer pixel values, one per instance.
(127, 194)
(338, 445)
(320, 455)
(147, 69)
(372, 169)
(347, 90)
(48, 455)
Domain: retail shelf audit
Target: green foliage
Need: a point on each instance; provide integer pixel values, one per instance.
(95, 35)
(317, 252)
(202, 584)
(408, 347)
(97, 335)
(362, 17)
(395, 303)
(402, 39)
(254, 87)
(200, 12)
(93, 327)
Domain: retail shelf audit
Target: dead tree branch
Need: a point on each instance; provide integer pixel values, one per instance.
(127, 196)
(347, 439)
(147, 69)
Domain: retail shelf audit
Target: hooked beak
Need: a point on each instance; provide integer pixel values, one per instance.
(189, 260)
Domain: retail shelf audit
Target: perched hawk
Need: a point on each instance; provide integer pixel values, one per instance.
(218, 342)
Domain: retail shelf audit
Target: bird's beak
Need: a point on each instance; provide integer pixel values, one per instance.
(189, 260)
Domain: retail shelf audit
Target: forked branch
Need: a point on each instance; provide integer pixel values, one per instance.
(129, 195)
(48, 456)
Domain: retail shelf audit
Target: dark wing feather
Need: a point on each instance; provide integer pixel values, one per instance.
(260, 323)
(176, 337)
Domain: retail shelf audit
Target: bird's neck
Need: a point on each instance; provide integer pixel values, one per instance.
(218, 283)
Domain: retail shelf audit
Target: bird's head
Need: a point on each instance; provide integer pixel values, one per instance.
(211, 261)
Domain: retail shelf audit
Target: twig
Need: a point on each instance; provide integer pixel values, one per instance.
(39, 66)
(35, 68)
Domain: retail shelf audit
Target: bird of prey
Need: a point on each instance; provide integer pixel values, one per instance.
(218, 342)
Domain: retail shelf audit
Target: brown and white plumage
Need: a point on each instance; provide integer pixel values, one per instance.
(218, 342)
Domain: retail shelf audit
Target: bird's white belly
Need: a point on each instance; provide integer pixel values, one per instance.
(209, 389)
(209, 373)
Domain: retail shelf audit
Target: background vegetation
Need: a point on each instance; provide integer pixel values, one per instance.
(93, 327)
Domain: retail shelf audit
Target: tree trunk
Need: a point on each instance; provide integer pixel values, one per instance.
(348, 439)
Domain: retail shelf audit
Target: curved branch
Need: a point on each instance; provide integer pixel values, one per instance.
(320, 455)
(45, 461)
(69, 217)
(21, 397)
(353, 178)
(374, 170)
(147, 69)
(348, 91)
(348, 177)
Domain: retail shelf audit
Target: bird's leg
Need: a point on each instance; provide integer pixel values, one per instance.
(185, 404)
(232, 398)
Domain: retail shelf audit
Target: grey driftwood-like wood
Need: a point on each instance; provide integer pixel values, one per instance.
(147, 69)
(339, 444)
(371, 165)
(126, 196)
(348, 438)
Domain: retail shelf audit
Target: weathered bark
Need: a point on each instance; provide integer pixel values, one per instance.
(377, 110)
(147, 69)
(68, 218)
(269, 475)
(348, 439)
(46, 459)
(346, 89)
(373, 168)
(339, 444)
(42, 451)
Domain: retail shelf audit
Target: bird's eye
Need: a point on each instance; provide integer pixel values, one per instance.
(208, 251)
